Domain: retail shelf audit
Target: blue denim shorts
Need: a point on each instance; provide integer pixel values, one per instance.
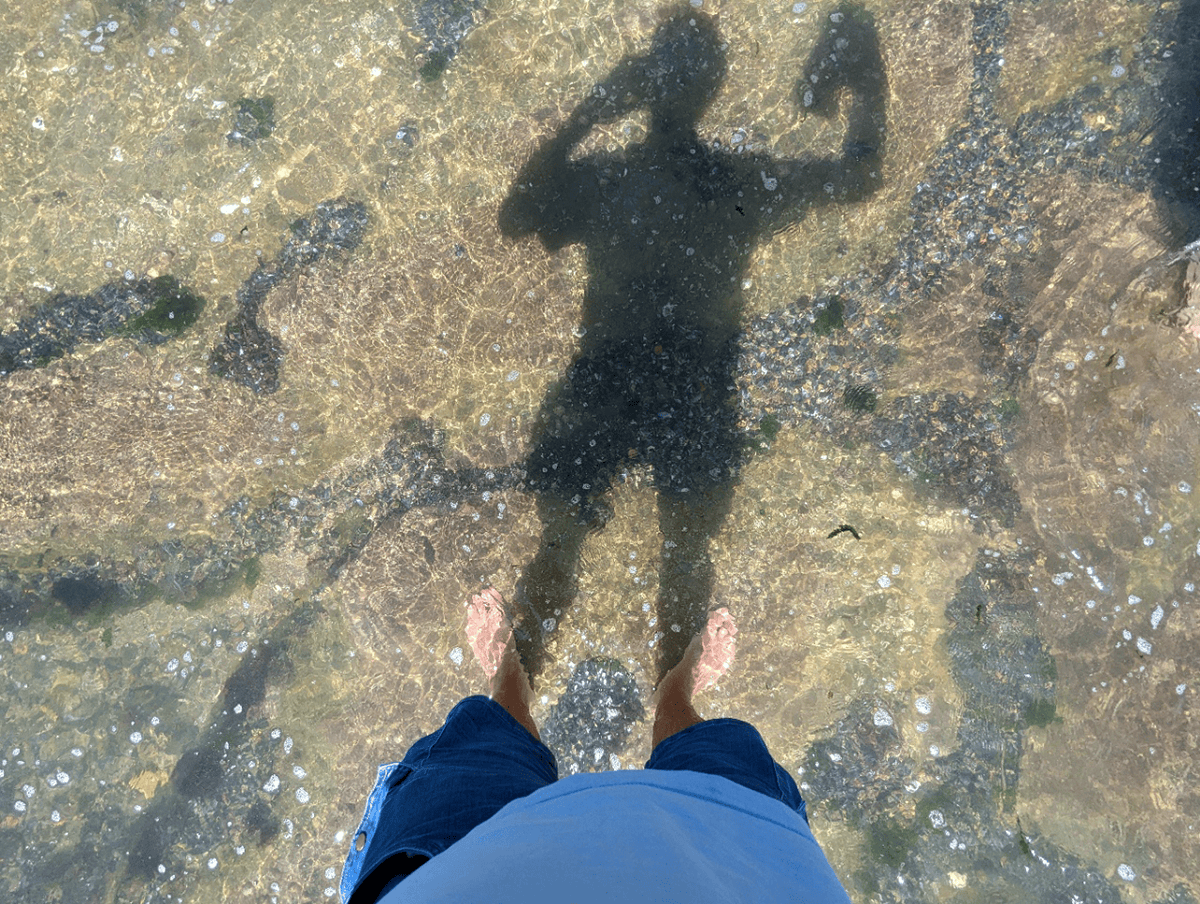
(482, 759)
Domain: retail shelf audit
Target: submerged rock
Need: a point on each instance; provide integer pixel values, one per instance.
(964, 821)
(444, 24)
(857, 771)
(150, 310)
(592, 721)
(334, 226)
(255, 119)
(249, 353)
(955, 445)
(335, 518)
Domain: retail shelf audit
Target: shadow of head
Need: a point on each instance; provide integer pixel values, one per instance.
(684, 68)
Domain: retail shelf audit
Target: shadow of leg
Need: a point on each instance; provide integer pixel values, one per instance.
(687, 521)
(548, 587)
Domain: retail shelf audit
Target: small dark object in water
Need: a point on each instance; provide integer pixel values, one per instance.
(408, 134)
(829, 316)
(79, 593)
(255, 119)
(845, 528)
(260, 821)
(435, 64)
(860, 398)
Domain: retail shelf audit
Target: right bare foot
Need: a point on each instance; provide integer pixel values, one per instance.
(708, 656)
(717, 649)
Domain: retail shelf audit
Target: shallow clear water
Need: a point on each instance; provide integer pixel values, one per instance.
(235, 542)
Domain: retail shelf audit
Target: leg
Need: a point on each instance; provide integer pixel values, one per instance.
(511, 687)
(724, 747)
(706, 659)
(449, 782)
(491, 637)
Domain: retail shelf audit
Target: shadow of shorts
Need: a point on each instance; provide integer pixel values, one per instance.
(482, 759)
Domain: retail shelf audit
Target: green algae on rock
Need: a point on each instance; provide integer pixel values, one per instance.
(255, 119)
(175, 308)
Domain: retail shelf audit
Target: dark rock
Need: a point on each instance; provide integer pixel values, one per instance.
(333, 227)
(444, 24)
(198, 772)
(174, 309)
(255, 119)
(218, 782)
(261, 822)
(1175, 151)
(954, 445)
(81, 592)
(856, 771)
(998, 659)
(150, 310)
(964, 819)
(249, 353)
(597, 712)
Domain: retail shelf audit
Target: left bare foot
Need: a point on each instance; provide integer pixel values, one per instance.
(488, 629)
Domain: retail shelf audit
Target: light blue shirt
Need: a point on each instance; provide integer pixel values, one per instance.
(632, 836)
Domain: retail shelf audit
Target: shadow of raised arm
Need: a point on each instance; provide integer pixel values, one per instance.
(551, 197)
(846, 59)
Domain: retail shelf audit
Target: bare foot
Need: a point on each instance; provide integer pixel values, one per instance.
(490, 634)
(717, 648)
(488, 629)
(709, 655)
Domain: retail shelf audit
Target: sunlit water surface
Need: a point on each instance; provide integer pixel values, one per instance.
(225, 601)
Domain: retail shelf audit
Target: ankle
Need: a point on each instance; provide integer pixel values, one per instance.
(675, 686)
(672, 715)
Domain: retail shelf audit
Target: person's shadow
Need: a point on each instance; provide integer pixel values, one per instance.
(670, 225)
